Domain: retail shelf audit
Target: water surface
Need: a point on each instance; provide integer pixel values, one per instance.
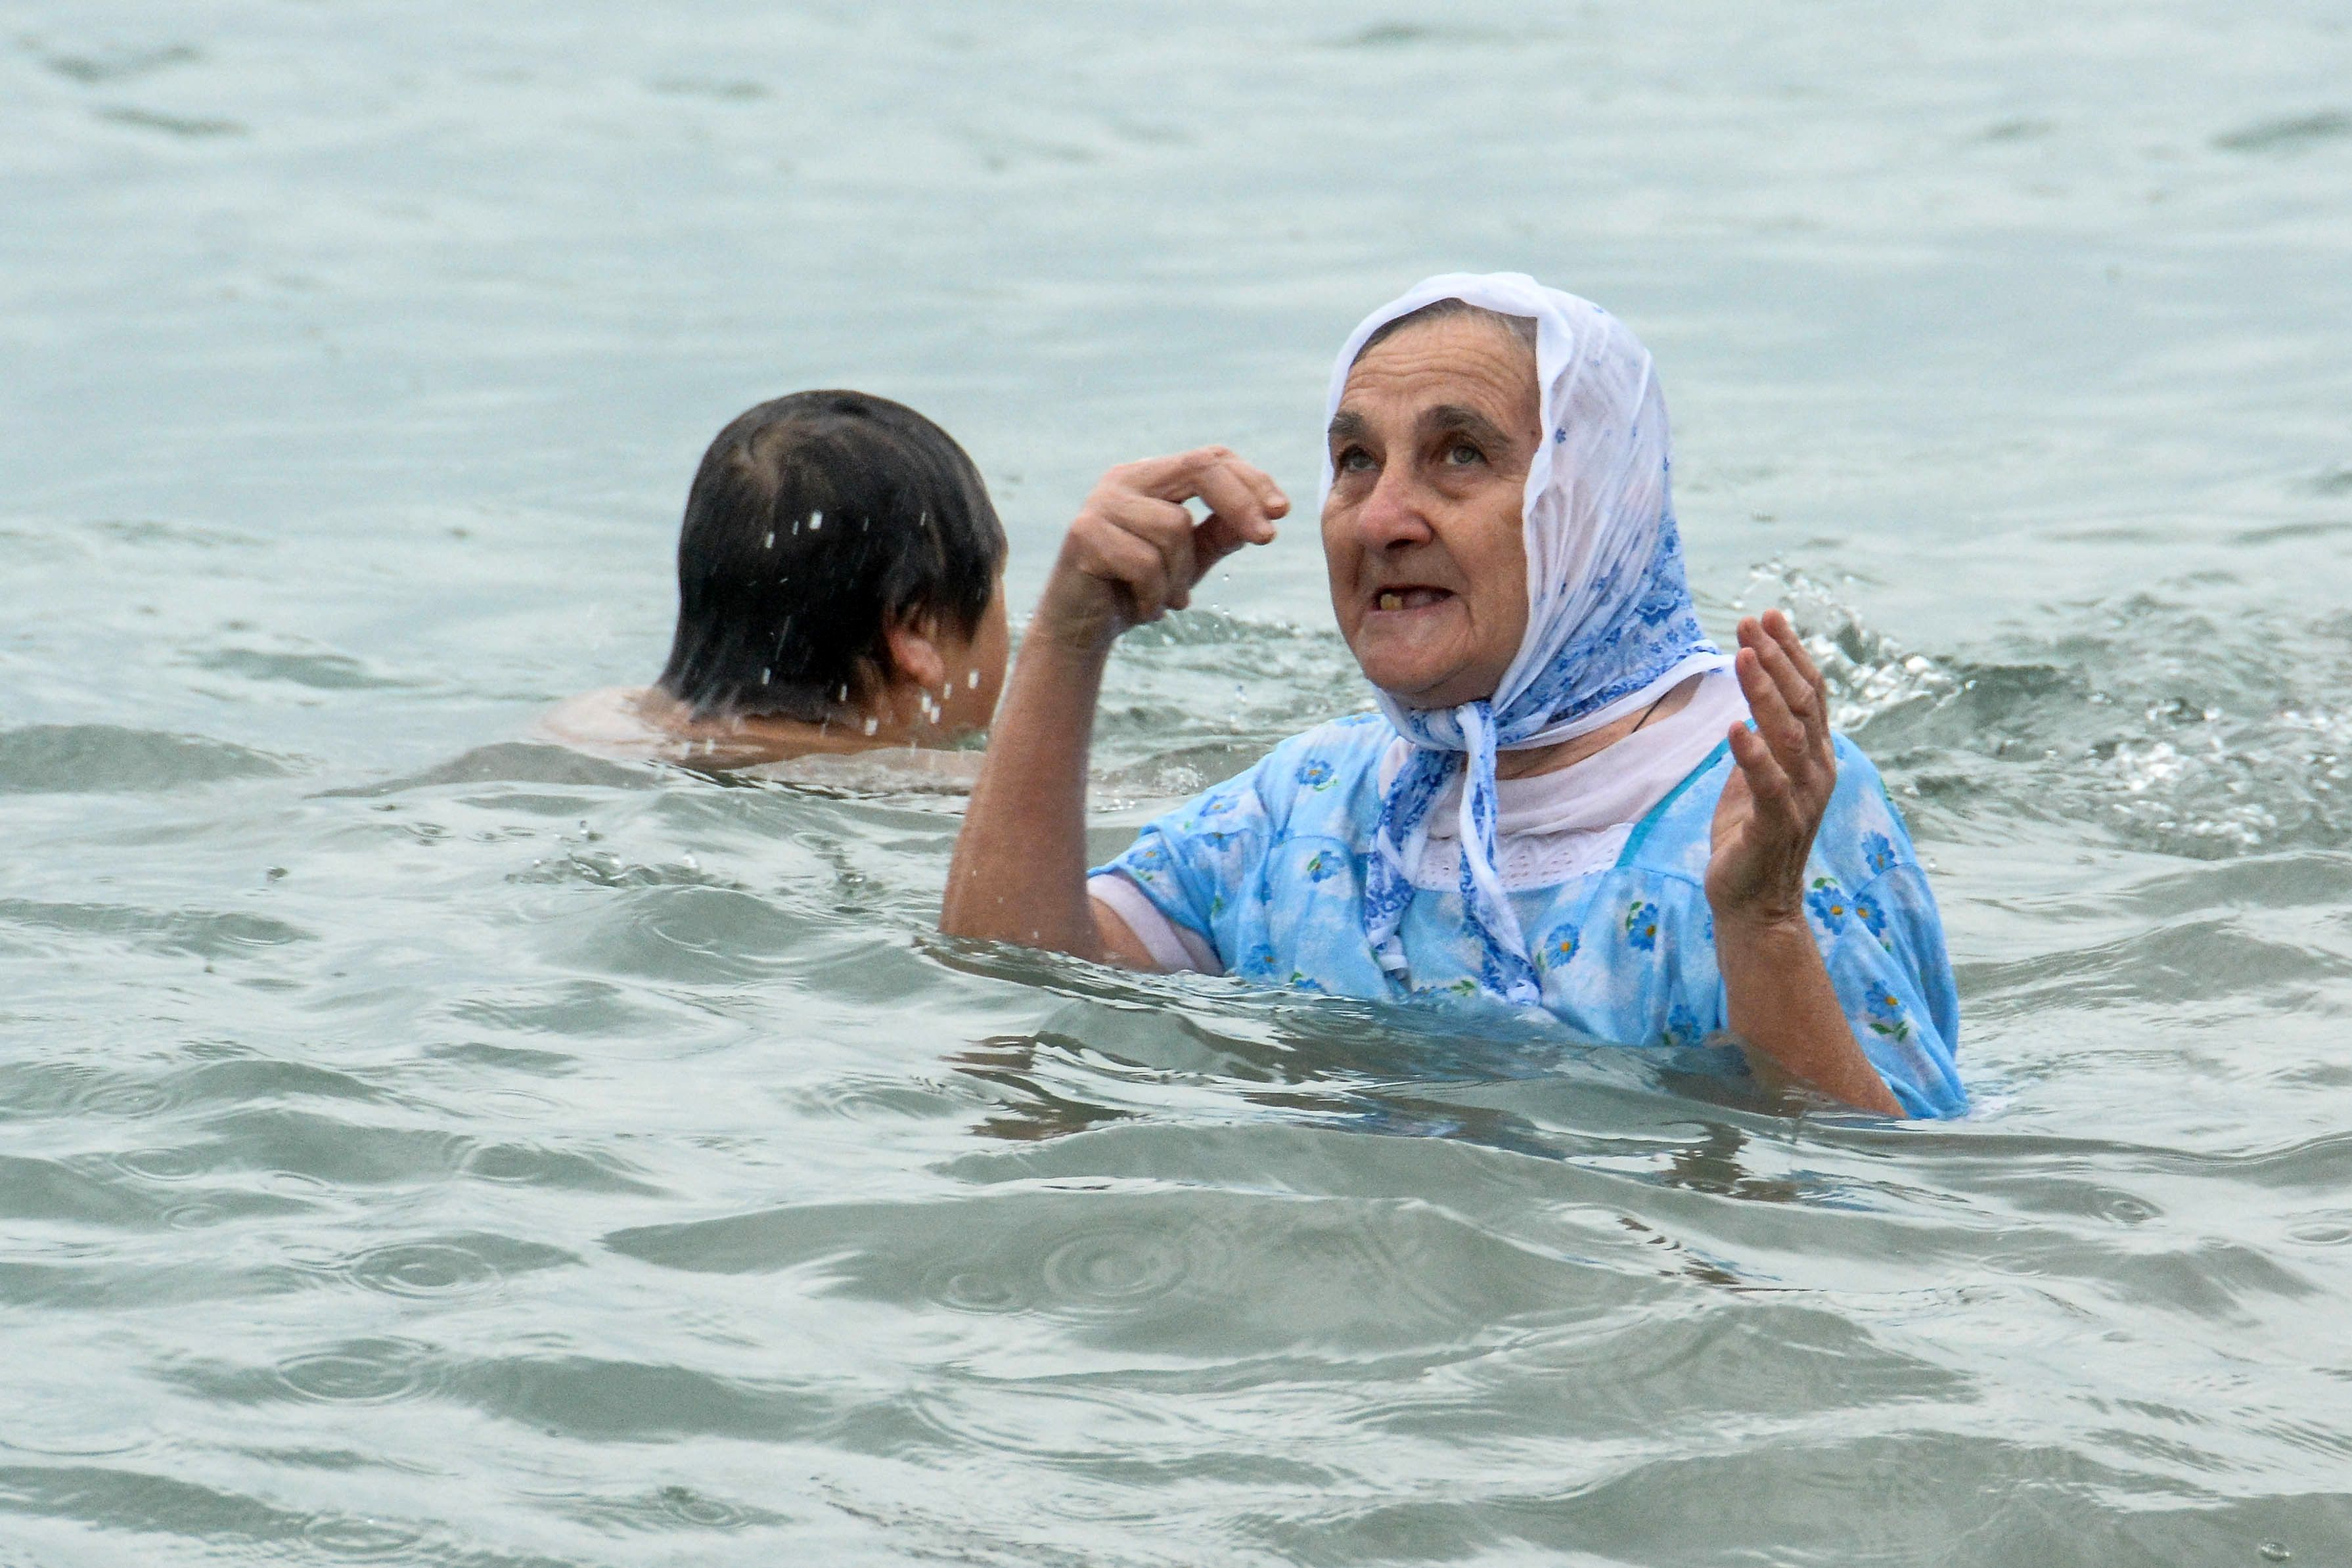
(419, 1145)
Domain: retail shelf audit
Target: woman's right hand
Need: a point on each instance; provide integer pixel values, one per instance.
(1134, 551)
(1133, 554)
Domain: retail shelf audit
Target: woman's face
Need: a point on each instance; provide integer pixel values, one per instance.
(1422, 534)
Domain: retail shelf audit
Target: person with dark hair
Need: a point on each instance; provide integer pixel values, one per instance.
(841, 588)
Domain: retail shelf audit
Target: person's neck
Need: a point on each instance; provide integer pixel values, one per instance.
(1551, 759)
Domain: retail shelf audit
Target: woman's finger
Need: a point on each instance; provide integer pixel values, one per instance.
(1794, 713)
(1119, 557)
(1241, 492)
(1216, 539)
(1269, 494)
(1780, 728)
(1767, 782)
(1261, 482)
(1232, 490)
(1816, 691)
(1164, 525)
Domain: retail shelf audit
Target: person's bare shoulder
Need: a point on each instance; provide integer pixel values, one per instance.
(611, 721)
(640, 724)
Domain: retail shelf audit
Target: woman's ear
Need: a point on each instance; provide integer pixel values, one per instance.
(915, 653)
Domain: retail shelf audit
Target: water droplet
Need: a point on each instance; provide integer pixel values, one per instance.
(769, 542)
(767, 675)
(971, 678)
(2274, 1552)
(872, 724)
(817, 521)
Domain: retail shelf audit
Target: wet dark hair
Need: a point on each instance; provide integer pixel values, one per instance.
(1523, 327)
(815, 523)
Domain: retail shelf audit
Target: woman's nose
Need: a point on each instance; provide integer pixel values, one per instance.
(1392, 515)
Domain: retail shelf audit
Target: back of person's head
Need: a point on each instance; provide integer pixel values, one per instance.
(815, 523)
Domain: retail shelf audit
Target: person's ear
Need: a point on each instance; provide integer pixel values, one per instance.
(915, 654)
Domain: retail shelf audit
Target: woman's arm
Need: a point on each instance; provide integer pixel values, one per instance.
(1780, 1000)
(1133, 553)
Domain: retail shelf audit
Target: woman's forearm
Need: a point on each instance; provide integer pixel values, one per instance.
(1020, 868)
(1782, 1005)
(1133, 553)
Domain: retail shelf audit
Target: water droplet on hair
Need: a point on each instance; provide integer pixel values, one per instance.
(769, 542)
(817, 521)
(766, 674)
(872, 724)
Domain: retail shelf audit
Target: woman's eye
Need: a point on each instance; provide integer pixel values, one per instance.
(1355, 460)
(1463, 454)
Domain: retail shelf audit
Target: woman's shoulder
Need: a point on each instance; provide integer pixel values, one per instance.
(1316, 775)
(1333, 755)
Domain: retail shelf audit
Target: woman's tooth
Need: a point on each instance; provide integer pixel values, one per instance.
(1391, 600)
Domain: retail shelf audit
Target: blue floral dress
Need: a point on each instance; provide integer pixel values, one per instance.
(1268, 869)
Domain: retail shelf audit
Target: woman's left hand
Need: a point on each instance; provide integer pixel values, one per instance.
(1773, 805)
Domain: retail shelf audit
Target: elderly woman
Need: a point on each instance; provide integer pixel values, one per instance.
(1569, 800)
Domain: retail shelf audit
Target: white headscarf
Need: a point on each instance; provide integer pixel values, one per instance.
(1611, 626)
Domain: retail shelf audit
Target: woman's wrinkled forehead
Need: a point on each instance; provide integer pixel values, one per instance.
(1522, 328)
(1470, 368)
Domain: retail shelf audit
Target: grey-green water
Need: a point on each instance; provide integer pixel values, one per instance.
(416, 1145)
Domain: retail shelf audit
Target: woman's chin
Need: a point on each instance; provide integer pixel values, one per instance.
(1418, 686)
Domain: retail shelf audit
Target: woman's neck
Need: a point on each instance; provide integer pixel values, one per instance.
(1576, 748)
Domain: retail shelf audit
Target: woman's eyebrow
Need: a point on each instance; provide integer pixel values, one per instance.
(1453, 419)
(1347, 426)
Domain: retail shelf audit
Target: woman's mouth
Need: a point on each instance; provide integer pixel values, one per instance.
(1409, 597)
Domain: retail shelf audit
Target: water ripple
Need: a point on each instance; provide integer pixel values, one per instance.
(424, 1268)
(355, 1372)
